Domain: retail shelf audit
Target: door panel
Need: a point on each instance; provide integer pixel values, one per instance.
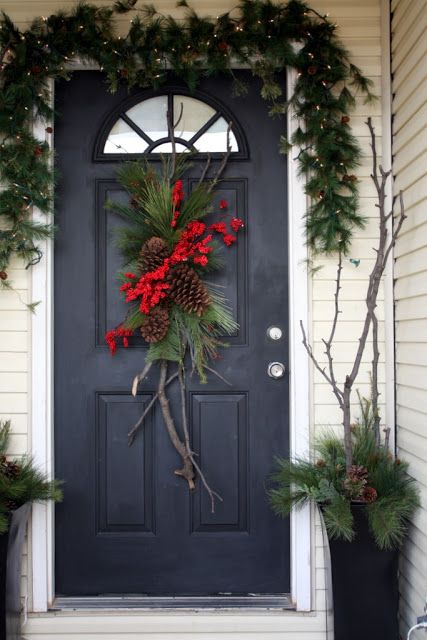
(128, 525)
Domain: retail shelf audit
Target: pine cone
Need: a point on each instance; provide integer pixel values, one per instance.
(152, 254)
(9, 469)
(187, 290)
(156, 325)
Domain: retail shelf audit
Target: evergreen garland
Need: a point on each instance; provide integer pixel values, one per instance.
(263, 35)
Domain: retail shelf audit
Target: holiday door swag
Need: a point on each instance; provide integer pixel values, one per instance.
(265, 36)
(167, 250)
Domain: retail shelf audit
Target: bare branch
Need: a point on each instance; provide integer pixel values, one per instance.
(137, 379)
(328, 343)
(171, 133)
(401, 220)
(309, 350)
(218, 375)
(205, 169)
(224, 161)
(212, 494)
(187, 470)
(132, 433)
(374, 384)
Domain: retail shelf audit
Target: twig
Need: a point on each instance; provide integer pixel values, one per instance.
(224, 161)
(218, 375)
(328, 343)
(374, 384)
(212, 494)
(132, 433)
(205, 169)
(137, 379)
(187, 470)
(311, 355)
(171, 131)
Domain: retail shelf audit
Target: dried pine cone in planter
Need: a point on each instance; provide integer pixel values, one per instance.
(156, 325)
(152, 254)
(187, 290)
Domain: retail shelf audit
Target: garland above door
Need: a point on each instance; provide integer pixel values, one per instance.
(267, 37)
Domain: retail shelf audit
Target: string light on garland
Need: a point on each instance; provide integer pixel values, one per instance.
(324, 94)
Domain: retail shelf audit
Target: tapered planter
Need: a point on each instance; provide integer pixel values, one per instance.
(10, 574)
(364, 584)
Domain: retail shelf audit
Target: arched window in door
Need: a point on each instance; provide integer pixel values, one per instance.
(142, 128)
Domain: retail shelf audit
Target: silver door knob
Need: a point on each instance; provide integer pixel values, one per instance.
(276, 370)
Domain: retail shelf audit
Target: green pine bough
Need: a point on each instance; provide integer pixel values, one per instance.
(376, 479)
(20, 481)
(265, 36)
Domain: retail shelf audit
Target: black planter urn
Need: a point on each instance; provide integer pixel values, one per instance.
(364, 586)
(11, 544)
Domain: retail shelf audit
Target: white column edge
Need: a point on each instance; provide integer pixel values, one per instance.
(299, 380)
(387, 160)
(41, 427)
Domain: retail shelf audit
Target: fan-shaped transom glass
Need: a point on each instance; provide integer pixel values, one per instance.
(143, 128)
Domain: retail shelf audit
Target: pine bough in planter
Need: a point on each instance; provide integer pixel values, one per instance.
(20, 484)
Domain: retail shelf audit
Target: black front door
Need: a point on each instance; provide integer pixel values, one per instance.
(128, 525)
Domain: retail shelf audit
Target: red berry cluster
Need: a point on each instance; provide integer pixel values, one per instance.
(118, 332)
(177, 198)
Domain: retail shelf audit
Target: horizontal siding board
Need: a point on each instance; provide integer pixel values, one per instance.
(11, 341)
(12, 381)
(408, 396)
(10, 361)
(412, 308)
(19, 420)
(13, 402)
(14, 320)
(411, 286)
(13, 300)
(411, 238)
(414, 375)
(414, 262)
(409, 66)
(410, 352)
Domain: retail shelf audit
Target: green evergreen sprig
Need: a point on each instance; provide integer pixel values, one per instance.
(21, 481)
(266, 36)
(377, 479)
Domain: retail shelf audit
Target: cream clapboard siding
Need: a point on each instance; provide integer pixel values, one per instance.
(359, 25)
(409, 50)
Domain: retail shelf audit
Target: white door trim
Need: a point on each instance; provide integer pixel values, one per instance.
(42, 377)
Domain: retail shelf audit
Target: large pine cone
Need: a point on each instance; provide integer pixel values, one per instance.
(187, 290)
(152, 254)
(156, 325)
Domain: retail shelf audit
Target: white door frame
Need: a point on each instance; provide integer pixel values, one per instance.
(42, 379)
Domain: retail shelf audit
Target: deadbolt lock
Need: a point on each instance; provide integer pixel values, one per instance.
(276, 370)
